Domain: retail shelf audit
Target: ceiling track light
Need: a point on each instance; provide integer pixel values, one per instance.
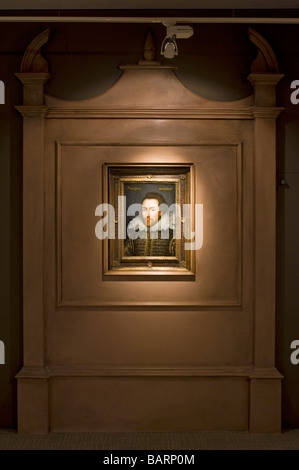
(169, 46)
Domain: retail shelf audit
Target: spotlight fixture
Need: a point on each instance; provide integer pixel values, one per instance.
(169, 46)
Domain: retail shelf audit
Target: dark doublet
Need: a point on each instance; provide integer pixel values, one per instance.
(146, 245)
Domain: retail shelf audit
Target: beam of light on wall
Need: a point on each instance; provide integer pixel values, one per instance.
(2, 93)
(2, 353)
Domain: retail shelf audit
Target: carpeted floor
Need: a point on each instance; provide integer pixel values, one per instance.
(228, 440)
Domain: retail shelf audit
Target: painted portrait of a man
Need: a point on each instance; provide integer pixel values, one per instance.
(147, 219)
(151, 232)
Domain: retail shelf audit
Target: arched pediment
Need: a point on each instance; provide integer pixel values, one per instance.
(148, 90)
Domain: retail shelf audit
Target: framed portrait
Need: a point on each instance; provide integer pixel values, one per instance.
(148, 219)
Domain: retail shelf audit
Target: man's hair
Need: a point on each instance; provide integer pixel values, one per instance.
(153, 195)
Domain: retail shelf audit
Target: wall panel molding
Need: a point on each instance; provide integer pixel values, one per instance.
(69, 303)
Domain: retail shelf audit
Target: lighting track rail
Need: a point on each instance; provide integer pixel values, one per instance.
(147, 20)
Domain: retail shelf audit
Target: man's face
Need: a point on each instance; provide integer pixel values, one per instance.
(150, 211)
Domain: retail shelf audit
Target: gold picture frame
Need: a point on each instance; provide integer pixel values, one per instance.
(131, 247)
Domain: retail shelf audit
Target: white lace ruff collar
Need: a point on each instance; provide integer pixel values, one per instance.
(167, 222)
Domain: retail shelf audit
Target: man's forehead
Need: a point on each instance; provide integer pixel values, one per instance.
(150, 202)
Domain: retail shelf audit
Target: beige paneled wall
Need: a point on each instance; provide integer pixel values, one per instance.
(77, 312)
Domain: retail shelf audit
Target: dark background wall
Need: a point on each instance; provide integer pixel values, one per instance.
(83, 61)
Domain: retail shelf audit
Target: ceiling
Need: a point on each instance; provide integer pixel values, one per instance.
(145, 4)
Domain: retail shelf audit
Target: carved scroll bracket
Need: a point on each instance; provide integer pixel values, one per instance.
(33, 61)
(264, 74)
(34, 71)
